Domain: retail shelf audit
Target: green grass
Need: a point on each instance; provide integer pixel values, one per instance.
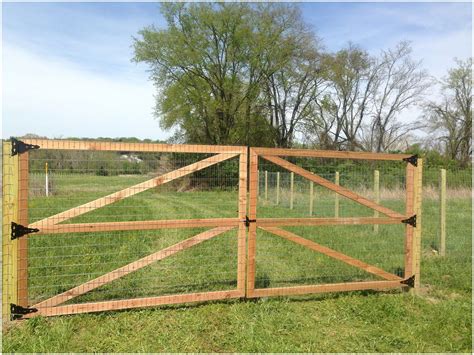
(438, 320)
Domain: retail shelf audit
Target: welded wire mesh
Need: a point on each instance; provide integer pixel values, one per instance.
(282, 194)
(81, 255)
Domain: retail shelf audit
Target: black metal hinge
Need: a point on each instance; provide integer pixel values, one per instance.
(413, 160)
(17, 311)
(19, 147)
(18, 230)
(411, 221)
(409, 282)
(248, 221)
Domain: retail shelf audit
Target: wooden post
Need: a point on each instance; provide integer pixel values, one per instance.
(377, 196)
(417, 230)
(23, 175)
(442, 212)
(242, 233)
(252, 229)
(292, 185)
(311, 197)
(266, 185)
(278, 189)
(46, 182)
(10, 214)
(336, 201)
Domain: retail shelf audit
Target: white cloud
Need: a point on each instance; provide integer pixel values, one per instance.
(52, 97)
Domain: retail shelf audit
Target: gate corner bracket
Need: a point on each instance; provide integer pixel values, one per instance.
(411, 221)
(413, 160)
(17, 312)
(409, 282)
(19, 147)
(17, 230)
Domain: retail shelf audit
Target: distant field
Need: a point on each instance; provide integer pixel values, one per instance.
(437, 321)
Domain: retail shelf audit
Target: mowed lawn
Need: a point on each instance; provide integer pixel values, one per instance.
(436, 320)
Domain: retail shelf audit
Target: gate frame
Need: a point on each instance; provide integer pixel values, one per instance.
(15, 208)
(17, 278)
(412, 233)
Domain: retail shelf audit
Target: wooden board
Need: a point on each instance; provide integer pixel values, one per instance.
(133, 147)
(131, 267)
(130, 191)
(337, 287)
(317, 221)
(331, 186)
(410, 211)
(23, 175)
(242, 233)
(134, 303)
(332, 253)
(138, 225)
(252, 229)
(329, 154)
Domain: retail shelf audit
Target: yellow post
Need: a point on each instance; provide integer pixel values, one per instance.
(417, 230)
(311, 197)
(442, 212)
(10, 214)
(377, 196)
(336, 201)
(292, 183)
(278, 189)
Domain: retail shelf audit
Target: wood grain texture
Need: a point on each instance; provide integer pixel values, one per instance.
(131, 267)
(337, 287)
(23, 175)
(133, 190)
(134, 147)
(323, 221)
(138, 225)
(242, 233)
(331, 186)
(252, 229)
(134, 303)
(410, 211)
(329, 154)
(332, 253)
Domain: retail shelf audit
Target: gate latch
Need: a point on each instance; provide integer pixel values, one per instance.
(18, 230)
(248, 221)
(19, 147)
(411, 221)
(17, 311)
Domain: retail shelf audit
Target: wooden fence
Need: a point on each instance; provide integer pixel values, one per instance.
(60, 223)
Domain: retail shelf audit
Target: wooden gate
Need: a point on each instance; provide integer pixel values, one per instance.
(406, 276)
(44, 225)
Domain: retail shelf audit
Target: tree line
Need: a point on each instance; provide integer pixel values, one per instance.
(257, 74)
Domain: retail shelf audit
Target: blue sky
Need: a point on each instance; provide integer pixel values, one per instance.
(67, 68)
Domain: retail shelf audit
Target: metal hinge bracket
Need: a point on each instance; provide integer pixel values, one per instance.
(411, 221)
(19, 147)
(409, 282)
(17, 311)
(413, 160)
(18, 230)
(248, 221)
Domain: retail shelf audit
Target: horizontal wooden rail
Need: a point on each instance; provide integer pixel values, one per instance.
(131, 267)
(134, 147)
(329, 154)
(333, 187)
(137, 225)
(336, 287)
(135, 303)
(275, 222)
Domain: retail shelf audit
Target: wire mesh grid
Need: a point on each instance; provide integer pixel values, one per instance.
(336, 249)
(120, 225)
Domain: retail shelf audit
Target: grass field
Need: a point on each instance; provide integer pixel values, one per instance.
(438, 320)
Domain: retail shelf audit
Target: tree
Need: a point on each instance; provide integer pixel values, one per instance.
(211, 64)
(399, 84)
(450, 118)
